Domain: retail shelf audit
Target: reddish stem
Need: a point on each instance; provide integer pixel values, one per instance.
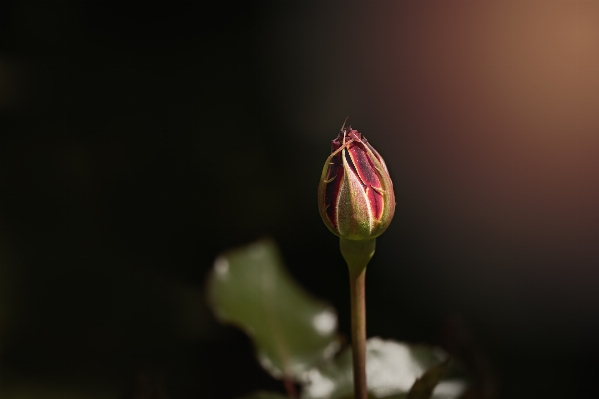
(289, 387)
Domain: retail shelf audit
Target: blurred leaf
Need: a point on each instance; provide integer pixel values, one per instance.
(425, 385)
(391, 368)
(265, 395)
(291, 330)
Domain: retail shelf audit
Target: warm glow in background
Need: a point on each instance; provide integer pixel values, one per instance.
(487, 115)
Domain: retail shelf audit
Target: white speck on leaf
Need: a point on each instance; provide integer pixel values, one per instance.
(221, 267)
(325, 322)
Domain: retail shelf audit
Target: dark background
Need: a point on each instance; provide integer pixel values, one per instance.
(140, 139)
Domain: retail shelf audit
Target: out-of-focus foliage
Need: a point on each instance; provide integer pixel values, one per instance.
(425, 385)
(392, 368)
(292, 331)
(295, 335)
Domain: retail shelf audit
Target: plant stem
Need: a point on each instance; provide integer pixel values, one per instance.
(358, 332)
(289, 387)
(357, 254)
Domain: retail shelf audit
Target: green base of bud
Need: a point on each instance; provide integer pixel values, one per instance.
(357, 253)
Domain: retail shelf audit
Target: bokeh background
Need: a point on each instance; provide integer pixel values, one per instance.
(140, 139)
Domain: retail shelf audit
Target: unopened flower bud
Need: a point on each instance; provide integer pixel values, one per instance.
(355, 194)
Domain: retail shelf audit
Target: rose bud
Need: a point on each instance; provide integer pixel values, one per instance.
(355, 194)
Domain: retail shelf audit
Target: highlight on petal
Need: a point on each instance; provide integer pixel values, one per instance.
(364, 165)
(334, 179)
(376, 201)
(353, 213)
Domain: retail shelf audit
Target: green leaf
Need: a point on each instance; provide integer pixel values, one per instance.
(424, 385)
(265, 395)
(391, 369)
(291, 330)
